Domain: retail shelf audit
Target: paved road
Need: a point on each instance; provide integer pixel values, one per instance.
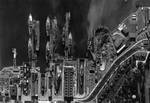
(98, 88)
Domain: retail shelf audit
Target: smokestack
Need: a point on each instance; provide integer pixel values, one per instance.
(14, 51)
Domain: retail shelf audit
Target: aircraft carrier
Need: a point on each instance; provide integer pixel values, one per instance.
(115, 69)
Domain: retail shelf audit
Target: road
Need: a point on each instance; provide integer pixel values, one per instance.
(101, 84)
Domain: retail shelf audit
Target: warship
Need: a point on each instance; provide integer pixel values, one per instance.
(114, 60)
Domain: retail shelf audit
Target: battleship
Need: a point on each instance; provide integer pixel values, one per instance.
(114, 60)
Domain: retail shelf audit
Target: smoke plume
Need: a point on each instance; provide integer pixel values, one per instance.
(109, 13)
(95, 14)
